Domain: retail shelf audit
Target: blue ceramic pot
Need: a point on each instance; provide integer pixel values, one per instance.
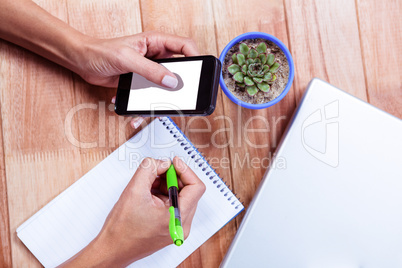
(253, 35)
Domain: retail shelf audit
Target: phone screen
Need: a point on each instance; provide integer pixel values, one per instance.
(145, 95)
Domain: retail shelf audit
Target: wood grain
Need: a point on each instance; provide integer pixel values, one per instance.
(5, 249)
(255, 133)
(381, 40)
(194, 19)
(35, 96)
(55, 127)
(324, 41)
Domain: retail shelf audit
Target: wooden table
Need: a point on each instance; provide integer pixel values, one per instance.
(55, 127)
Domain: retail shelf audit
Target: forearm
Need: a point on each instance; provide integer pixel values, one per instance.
(108, 251)
(26, 24)
(99, 253)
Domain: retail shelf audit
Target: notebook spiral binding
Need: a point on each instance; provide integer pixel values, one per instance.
(200, 160)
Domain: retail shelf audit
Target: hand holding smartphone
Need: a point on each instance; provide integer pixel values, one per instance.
(195, 93)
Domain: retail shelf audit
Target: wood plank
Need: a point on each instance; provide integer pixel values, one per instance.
(325, 43)
(255, 133)
(40, 159)
(5, 249)
(381, 40)
(194, 19)
(100, 129)
(35, 97)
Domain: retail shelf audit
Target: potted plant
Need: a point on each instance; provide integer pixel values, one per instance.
(257, 70)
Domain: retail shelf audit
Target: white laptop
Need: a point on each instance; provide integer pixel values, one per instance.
(333, 194)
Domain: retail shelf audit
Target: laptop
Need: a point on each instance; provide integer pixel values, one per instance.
(333, 194)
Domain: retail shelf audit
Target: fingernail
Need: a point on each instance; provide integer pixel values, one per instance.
(114, 100)
(137, 122)
(169, 81)
(180, 162)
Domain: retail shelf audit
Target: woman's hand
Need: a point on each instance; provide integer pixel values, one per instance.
(138, 225)
(98, 61)
(103, 60)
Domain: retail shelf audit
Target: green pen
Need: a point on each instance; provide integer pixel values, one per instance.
(175, 228)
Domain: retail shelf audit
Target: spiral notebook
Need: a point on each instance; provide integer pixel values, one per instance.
(71, 220)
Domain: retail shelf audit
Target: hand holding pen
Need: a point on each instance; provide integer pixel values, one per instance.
(138, 224)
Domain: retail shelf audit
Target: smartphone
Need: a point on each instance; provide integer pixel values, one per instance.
(195, 93)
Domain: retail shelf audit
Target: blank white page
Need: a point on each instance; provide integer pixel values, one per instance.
(74, 218)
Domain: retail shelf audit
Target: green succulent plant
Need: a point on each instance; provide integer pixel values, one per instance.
(253, 69)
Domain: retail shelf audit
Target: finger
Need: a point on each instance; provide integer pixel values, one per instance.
(185, 173)
(180, 45)
(148, 171)
(193, 188)
(150, 70)
(187, 221)
(136, 122)
(180, 183)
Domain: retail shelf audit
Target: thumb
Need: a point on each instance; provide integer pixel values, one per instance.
(152, 71)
